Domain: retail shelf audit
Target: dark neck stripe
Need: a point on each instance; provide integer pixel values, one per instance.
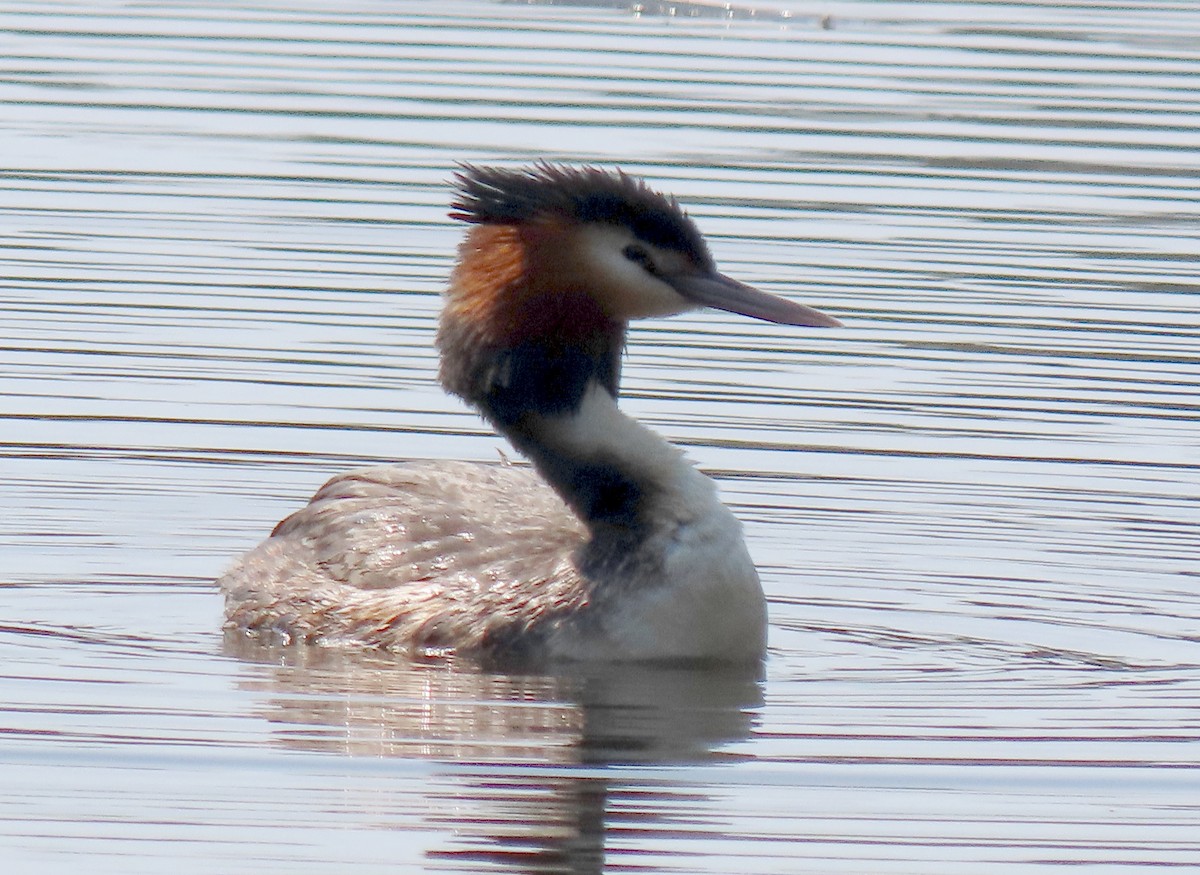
(541, 376)
(544, 380)
(599, 491)
(526, 391)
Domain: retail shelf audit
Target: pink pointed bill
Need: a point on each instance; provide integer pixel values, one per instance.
(723, 293)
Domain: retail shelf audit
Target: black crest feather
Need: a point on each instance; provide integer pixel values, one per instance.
(499, 196)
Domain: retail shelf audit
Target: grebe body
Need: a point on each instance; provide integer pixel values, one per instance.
(614, 547)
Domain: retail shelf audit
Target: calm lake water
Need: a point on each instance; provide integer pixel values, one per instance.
(976, 509)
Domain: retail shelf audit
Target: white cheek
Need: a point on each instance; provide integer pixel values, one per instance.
(624, 289)
(638, 295)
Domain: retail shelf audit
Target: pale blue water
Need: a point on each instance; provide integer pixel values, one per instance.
(975, 509)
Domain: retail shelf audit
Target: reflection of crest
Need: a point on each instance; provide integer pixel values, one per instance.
(520, 753)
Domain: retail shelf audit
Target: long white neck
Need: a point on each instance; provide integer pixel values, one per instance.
(667, 569)
(671, 571)
(621, 478)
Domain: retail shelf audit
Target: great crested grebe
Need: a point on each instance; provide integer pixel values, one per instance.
(620, 549)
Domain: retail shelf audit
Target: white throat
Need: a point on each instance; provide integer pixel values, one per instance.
(681, 585)
(597, 429)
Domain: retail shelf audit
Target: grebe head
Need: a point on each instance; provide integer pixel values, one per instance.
(555, 264)
(588, 246)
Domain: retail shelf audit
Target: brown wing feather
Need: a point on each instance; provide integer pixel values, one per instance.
(413, 557)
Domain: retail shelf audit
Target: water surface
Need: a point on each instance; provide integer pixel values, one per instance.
(975, 509)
